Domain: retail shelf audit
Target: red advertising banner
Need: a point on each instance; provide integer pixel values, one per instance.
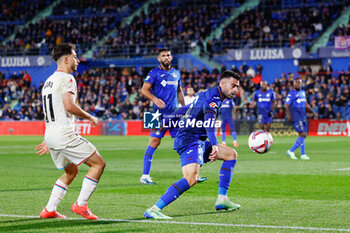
(38, 128)
(329, 128)
(22, 128)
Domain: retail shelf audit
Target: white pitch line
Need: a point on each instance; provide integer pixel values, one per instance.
(342, 169)
(194, 223)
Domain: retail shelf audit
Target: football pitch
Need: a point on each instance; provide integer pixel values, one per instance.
(276, 194)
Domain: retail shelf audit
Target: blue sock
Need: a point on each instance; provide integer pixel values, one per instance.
(225, 176)
(234, 135)
(295, 146)
(173, 192)
(147, 160)
(223, 136)
(302, 145)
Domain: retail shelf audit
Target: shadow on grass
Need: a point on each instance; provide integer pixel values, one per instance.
(35, 224)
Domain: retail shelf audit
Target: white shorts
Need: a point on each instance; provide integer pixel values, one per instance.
(77, 151)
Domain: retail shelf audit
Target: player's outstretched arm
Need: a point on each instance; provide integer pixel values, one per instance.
(42, 148)
(146, 91)
(72, 107)
(180, 96)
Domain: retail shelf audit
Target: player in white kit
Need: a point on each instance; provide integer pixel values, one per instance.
(68, 150)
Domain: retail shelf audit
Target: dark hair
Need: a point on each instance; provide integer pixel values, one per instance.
(164, 50)
(229, 74)
(61, 50)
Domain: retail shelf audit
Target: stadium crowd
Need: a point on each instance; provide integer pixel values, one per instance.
(16, 13)
(268, 25)
(69, 21)
(271, 27)
(155, 28)
(109, 93)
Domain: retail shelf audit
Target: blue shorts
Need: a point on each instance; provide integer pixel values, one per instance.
(300, 126)
(197, 152)
(263, 118)
(230, 122)
(160, 134)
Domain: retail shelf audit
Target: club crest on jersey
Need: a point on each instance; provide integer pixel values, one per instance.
(174, 75)
(212, 105)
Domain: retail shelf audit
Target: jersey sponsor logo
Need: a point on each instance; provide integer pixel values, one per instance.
(264, 99)
(164, 83)
(301, 100)
(213, 105)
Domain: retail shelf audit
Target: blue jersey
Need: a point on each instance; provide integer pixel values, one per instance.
(297, 101)
(206, 101)
(226, 109)
(264, 101)
(164, 87)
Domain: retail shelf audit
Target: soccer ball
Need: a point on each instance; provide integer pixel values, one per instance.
(260, 141)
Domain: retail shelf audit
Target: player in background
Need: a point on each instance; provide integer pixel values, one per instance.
(295, 109)
(191, 144)
(265, 99)
(227, 108)
(162, 86)
(68, 150)
(189, 97)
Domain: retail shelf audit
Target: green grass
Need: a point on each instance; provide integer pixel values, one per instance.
(271, 188)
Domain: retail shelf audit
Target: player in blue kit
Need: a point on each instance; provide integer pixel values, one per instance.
(227, 108)
(191, 143)
(295, 108)
(265, 99)
(162, 86)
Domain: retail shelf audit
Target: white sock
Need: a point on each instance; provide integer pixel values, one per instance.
(145, 176)
(57, 194)
(222, 198)
(89, 186)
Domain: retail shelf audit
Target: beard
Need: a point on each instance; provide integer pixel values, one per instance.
(74, 67)
(166, 65)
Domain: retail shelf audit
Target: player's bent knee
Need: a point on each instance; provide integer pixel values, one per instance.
(72, 174)
(233, 154)
(154, 142)
(191, 180)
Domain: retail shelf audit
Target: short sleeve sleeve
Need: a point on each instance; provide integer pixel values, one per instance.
(69, 85)
(151, 77)
(289, 98)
